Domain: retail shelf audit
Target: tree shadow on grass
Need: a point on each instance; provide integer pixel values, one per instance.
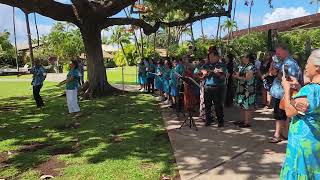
(144, 142)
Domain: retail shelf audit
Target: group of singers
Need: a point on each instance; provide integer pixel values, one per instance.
(219, 83)
(214, 87)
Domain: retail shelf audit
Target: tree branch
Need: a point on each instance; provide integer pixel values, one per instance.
(49, 8)
(117, 6)
(149, 29)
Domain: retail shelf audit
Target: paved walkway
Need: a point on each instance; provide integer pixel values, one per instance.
(229, 153)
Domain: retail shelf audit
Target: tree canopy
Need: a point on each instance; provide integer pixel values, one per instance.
(92, 16)
(101, 12)
(7, 51)
(63, 42)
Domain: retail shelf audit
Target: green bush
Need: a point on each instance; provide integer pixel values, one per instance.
(109, 64)
(66, 67)
(132, 55)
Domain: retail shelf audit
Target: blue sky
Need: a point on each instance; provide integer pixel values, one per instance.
(261, 14)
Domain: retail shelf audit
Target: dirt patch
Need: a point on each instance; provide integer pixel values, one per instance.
(116, 131)
(32, 147)
(4, 156)
(73, 125)
(8, 108)
(146, 166)
(52, 167)
(176, 177)
(65, 150)
(116, 139)
(21, 98)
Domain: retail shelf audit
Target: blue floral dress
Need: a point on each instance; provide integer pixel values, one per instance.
(303, 150)
(159, 79)
(142, 74)
(246, 94)
(165, 80)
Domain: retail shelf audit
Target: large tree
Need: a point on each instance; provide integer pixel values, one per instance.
(91, 16)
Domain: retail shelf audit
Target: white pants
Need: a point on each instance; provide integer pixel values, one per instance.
(72, 101)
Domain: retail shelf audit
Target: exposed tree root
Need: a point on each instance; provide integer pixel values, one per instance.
(88, 93)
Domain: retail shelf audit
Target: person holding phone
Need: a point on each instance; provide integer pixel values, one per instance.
(282, 58)
(303, 150)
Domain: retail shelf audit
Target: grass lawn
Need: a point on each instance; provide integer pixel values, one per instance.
(114, 75)
(118, 137)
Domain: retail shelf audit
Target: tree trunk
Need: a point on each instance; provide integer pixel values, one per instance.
(124, 53)
(192, 36)
(142, 44)
(234, 15)
(249, 25)
(29, 38)
(36, 24)
(155, 42)
(136, 44)
(98, 84)
(202, 30)
(169, 39)
(15, 36)
(218, 28)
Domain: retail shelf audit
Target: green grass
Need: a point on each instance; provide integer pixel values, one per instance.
(114, 75)
(26, 76)
(144, 153)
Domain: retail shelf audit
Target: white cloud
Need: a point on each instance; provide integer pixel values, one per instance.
(63, 1)
(319, 10)
(280, 14)
(242, 20)
(6, 23)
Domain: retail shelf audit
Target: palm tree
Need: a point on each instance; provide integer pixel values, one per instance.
(192, 35)
(250, 4)
(169, 40)
(36, 24)
(234, 14)
(202, 31)
(29, 37)
(15, 36)
(120, 37)
(234, 10)
(315, 2)
(229, 25)
(218, 28)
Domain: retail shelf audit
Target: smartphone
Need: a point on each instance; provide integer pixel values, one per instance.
(285, 71)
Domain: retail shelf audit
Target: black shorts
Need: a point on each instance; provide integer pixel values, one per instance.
(278, 113)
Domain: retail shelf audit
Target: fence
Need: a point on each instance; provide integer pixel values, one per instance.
(126, 75)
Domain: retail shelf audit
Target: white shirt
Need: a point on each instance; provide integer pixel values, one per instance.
(257, 64)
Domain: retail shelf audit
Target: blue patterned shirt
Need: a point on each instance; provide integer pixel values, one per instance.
(294, 70)
(38, 77)
(212, 79)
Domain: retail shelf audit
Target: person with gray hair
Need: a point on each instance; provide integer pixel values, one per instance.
(303, 149)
